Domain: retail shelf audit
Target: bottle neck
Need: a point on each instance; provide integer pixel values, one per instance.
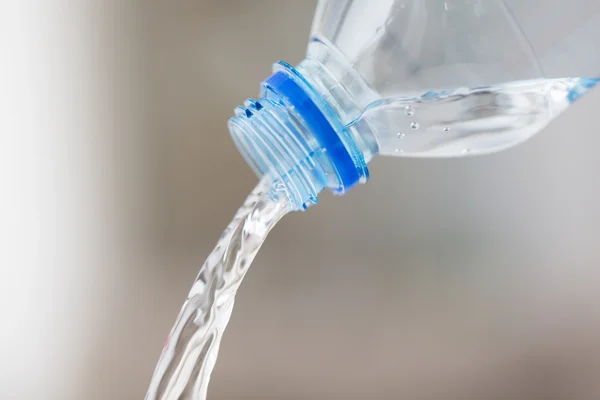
(293, 135)
(344, 90)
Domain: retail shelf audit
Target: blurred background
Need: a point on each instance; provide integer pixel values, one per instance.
(468, 278)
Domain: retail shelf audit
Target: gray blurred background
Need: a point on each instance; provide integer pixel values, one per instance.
(471, 278)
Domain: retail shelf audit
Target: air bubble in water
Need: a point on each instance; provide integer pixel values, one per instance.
(400, 135)
(446, 129)
(414, 125)
(409, 110)
(465, 151)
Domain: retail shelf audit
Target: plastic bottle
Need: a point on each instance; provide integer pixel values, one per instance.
(415, 78)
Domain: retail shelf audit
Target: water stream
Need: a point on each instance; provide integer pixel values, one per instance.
(190, 354)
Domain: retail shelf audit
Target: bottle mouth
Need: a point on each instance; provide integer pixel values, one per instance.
(272, 145)
(287, 135)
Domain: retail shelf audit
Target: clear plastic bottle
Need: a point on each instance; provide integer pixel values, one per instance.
(415, 78)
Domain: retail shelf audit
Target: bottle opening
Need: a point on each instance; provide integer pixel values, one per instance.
(286, 135)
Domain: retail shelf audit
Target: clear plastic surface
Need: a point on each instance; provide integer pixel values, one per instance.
(451, 77)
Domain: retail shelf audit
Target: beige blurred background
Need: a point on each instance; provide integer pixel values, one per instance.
(470, 278)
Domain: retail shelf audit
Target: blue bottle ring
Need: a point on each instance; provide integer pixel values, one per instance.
(285, 87)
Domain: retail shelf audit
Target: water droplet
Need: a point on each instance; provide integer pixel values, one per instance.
(409, 110)
(414, 125)
(446, 129)
(400, 135)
